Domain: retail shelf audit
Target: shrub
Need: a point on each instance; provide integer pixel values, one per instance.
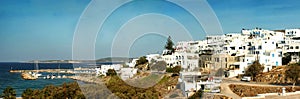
(111, 72)
(9, 93)
(175, 69)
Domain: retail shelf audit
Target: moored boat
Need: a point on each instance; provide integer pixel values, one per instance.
(28, 76)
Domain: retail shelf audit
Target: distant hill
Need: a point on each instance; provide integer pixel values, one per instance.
(114, 59)
(107, 59)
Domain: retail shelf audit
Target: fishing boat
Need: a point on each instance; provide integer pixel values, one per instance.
(52, 76)
(31, 75)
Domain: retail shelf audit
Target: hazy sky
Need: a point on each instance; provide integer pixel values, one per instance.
(43, 29)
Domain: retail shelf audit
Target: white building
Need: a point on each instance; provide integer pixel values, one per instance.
(216, 43)
(132, 63)
(187, 61)
(105, 67)
(292, 32)
(238, 50)
(188, 82)
(127, 73)
(151, 57)
(255, 44)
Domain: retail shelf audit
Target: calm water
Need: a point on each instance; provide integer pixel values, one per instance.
(14, 79)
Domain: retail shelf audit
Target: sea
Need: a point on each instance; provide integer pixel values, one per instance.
(16, 82)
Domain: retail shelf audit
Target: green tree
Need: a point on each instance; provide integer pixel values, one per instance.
(175, 69)
(286, 59)
(141, 60)
(293, 72)
(111, 72)
(170, 44)
(27, 94)
(254, 69)
(9, 93)
(196, 95)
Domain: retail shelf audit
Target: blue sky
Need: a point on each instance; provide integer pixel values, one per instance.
(270, 14)
(44, 29)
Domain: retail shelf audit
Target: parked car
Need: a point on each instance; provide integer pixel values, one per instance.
(246, 78)
(206, 90)
(217, 80)
(216, 90)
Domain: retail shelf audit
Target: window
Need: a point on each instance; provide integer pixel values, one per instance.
(257, 52)
(291, 47)
(297, 47)
(273, 55)
(232, 48)
(280, 54)
(259, 47)
(216, 59)
(266, 60)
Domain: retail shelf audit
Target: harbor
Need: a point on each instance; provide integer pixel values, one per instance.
(10, 75)
(52, 73)
(45, 70)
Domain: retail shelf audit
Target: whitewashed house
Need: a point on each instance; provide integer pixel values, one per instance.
(187, 61)
(105, 67)
(256, 44)
(126, 73)
(132, 63)
(292, 32)
(151, 57)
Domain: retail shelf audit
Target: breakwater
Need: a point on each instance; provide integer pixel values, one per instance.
(45, 70)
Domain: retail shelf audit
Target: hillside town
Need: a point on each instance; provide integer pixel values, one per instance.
(205, 62)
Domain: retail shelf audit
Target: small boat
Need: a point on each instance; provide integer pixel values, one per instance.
(58, 76)
(48, 77)
(36, 74)
(53, 76)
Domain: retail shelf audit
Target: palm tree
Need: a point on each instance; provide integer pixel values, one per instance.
(9, 93)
